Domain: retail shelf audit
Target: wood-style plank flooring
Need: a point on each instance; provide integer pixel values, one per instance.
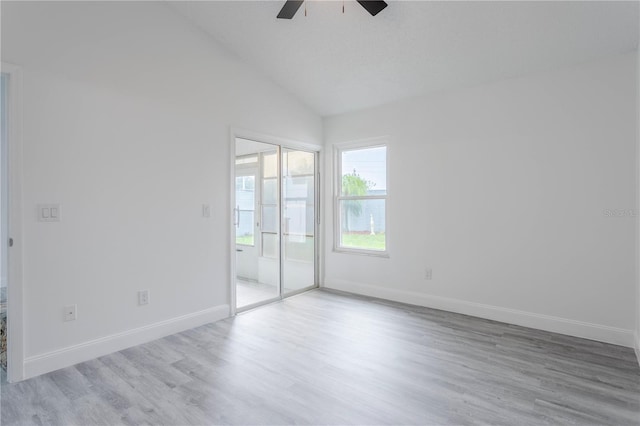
(330, 358)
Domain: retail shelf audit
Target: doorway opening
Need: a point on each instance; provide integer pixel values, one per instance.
(275, 222)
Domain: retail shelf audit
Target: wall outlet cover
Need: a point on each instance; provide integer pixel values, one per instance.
(428, 274)
(143, 297)
(70, 312)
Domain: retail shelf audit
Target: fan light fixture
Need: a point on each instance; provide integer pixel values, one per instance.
(291, 7)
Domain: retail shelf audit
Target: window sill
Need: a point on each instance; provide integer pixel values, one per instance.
(368, 253)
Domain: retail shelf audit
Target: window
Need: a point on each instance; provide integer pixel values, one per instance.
(361, 201)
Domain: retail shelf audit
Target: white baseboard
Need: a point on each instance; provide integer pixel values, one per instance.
(636, 347)
(602, 333)
(65, 357)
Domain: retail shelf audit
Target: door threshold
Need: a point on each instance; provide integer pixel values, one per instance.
(257, 305)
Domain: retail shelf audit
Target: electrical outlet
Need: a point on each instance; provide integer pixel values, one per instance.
(70, 312)
(428, 274)
(143, 297)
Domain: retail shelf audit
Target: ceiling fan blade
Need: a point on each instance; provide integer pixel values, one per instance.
(290, 8)
(372, 6)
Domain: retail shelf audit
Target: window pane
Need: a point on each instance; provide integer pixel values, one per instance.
(295, 219)
(300, 250)
(310, 220)
(364, 171)
(270, 165)
(270, 218)
(270, 245)
(270, 191)
(245, 210)
(244, 228)
(296, 163)
(362, 224)
(299, 188)
(247, 160)
(249, 183)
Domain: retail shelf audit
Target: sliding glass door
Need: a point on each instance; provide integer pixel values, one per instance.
(298, 220)
(274, 221)
(256, 222)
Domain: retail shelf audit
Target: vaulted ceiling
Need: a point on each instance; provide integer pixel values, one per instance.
(337, 62)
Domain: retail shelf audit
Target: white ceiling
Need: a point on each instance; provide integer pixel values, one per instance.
(338, 62)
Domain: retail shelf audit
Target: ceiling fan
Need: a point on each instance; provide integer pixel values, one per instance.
(291, 7)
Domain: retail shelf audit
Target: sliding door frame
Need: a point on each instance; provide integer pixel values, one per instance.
(281, 143)
(15, 321)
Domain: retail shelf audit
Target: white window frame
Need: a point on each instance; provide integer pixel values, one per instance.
(338, 149)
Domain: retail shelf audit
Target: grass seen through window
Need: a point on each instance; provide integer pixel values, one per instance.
(246, 240)
(364, 241)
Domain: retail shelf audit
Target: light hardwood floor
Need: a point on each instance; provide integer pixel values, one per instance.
(330, 358)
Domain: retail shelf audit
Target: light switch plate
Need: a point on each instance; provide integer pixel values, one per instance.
(49, 213)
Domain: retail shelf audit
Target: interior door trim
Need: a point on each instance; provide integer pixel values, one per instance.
(15, 297)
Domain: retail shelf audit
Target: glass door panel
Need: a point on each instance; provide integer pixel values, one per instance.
(298, 220)
(256, 223)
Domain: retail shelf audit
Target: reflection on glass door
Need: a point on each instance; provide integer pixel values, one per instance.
(275, 222)
(256, 223)
(298, 220)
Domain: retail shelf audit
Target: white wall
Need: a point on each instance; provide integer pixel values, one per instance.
(127, 115)
(502, 190)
